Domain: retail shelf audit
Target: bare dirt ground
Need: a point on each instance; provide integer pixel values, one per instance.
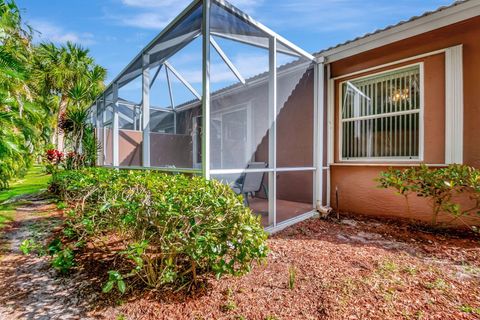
(355, 268)
(29, 288)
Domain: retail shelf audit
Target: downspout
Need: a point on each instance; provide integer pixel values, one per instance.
(206, 89)
(319, 94)
(330, 131)
(322, 78)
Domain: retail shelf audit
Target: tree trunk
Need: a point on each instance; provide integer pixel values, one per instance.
(60, 134)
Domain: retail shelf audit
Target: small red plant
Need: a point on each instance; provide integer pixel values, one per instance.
(54, 156)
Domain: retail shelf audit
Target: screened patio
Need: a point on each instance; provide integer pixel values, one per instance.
(220, 95)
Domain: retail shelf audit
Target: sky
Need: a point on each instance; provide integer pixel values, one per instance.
(116, 30)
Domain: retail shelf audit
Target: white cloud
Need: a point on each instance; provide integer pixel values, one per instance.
(156, 14)
(48, 31)
(147, 20)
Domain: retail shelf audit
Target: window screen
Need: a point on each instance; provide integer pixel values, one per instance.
(380, 116)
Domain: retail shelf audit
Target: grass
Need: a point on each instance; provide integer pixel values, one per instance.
(34, 181)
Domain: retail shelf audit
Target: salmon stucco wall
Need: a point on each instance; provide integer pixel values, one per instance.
(353, 183)
(357, 192)
(130, 148)
(108, 147)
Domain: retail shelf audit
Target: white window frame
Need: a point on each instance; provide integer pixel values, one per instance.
(420, 157)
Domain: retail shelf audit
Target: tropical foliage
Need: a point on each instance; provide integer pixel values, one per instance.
(71, 76)
(18, 115)
(38, 84)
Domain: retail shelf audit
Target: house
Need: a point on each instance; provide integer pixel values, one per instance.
(418, 82)
(239, 103)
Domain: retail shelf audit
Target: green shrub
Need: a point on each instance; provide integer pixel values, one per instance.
(114, 277)
(29, 245)
(441, 186)
(174, 228)
(62, 257)
(63, 260)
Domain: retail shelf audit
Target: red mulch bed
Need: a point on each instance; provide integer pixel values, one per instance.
(354, 269)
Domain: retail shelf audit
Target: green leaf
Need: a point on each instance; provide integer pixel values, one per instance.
(108, 287)
(105, 207)
(121, 286)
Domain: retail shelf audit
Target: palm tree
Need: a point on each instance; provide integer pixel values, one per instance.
(19, 118)
(37, 85)
(63, 71)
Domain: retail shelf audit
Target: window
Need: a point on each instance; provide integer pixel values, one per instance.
(381, 116)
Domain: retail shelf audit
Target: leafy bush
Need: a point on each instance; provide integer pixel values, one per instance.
(80, 137)
(53, 159)
(62, 257)
(174, 228)
(114, 277)
(63, 260)
(441, 186)
(28, 245)
(83, 155)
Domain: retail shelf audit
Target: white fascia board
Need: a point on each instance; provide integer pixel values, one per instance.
(406, 30)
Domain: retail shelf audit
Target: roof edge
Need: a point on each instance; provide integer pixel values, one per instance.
(443, 16)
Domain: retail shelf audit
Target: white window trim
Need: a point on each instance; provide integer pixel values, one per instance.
(454, 105)
(420, 157)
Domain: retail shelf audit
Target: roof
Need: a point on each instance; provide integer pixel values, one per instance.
(459, 4)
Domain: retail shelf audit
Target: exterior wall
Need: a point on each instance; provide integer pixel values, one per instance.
(357, 193)
(295, 143)
(108, 152)
(294, 132)
(171, 149)
(166, 149)
(354, 182)
(130, 148)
